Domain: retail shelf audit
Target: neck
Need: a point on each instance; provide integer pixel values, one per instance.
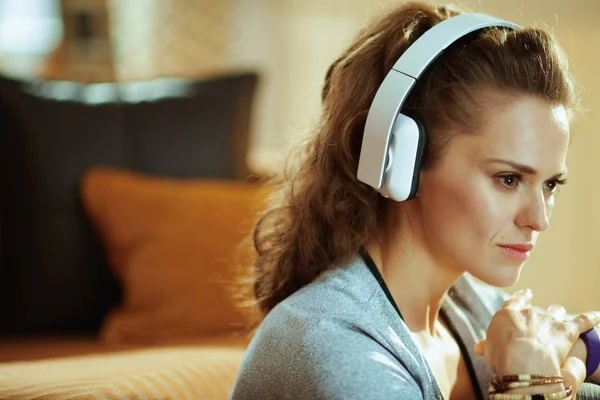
(417, 281)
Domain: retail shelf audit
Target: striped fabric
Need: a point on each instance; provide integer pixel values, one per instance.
(190, 372)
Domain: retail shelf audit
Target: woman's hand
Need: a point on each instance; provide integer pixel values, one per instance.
(579, 349)
(523, 340)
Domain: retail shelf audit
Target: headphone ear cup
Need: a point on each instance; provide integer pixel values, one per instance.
(405, 153)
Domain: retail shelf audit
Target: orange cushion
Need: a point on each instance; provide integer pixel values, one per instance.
(172, 244)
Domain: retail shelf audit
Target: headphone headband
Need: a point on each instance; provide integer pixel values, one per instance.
(398, 83)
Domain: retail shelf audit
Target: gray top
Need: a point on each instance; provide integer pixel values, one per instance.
(341, 337)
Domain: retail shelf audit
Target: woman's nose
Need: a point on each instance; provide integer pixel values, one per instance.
(536, 212)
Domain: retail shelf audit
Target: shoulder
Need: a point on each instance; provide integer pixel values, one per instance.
(326, 359)
(322, 343)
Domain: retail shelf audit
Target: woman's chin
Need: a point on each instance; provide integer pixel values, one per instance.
(503, 276)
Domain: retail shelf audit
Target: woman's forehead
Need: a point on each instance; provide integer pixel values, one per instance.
(525, 130)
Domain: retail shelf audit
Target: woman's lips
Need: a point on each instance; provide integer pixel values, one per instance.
(519, 252)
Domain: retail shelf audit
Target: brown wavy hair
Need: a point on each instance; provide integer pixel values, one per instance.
(321, 215)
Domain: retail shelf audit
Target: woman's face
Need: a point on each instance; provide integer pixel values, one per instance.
(484, 204)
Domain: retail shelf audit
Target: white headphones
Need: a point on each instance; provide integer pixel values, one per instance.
(393, 143)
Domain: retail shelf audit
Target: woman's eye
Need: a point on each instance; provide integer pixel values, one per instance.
(510, 181)
(552, 186)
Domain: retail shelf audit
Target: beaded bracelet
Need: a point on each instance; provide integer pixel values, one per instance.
(562, 395)
(501, 387)
(524, 377)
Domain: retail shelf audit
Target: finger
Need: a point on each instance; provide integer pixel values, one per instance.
(530, 312)
(534, 319)
(569, 328)
(573, 372)
(557, 312)
(478, 347)
(586, 321)
(517, 297)
(520, 299)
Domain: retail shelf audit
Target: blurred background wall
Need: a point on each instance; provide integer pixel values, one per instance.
(291, 43)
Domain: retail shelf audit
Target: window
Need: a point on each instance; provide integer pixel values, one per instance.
(29, 29)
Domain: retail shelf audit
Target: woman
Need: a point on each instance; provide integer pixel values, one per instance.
(370, 298)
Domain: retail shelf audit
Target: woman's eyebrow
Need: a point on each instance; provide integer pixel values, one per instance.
(522, 168)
